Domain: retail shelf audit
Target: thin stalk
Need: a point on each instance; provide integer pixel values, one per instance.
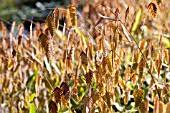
(139, 50)
(147, 66)
(49, 83)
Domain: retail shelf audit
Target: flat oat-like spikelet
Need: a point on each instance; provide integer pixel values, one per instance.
(56, 18)
(151, 65)
(89, 77)
(84, 59)
(65, 88)
(44, 40)
(143, 107)
(166, 56)
(106, 47)
(126, 99)
(57, 94)
(50, 25)
(158, 64)
(153, 9)
(138, 97)
(143, 44)
(106, 62)
(135, 60)
(53, 107)
(142, 65)
(116, 78)
(20, 29)
(73, 15)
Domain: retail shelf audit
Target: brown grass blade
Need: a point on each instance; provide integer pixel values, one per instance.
(126, 32)
(126, 14)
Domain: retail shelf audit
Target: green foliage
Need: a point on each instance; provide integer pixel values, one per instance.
(32, 105)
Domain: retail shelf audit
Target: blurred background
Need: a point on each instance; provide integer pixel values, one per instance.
(23, 11)
(20, 9)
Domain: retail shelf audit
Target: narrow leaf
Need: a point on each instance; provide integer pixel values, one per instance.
(126, 14)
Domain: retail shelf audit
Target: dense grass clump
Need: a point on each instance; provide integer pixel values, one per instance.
(112, 57)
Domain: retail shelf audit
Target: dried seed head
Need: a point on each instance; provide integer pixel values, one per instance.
(53, 107)
(50, 25)
(73, 15)
(57, 94)
(88, 77)
(56, 18)
(65, 88)
(142, 44)
(153, 9)
(138, 97)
